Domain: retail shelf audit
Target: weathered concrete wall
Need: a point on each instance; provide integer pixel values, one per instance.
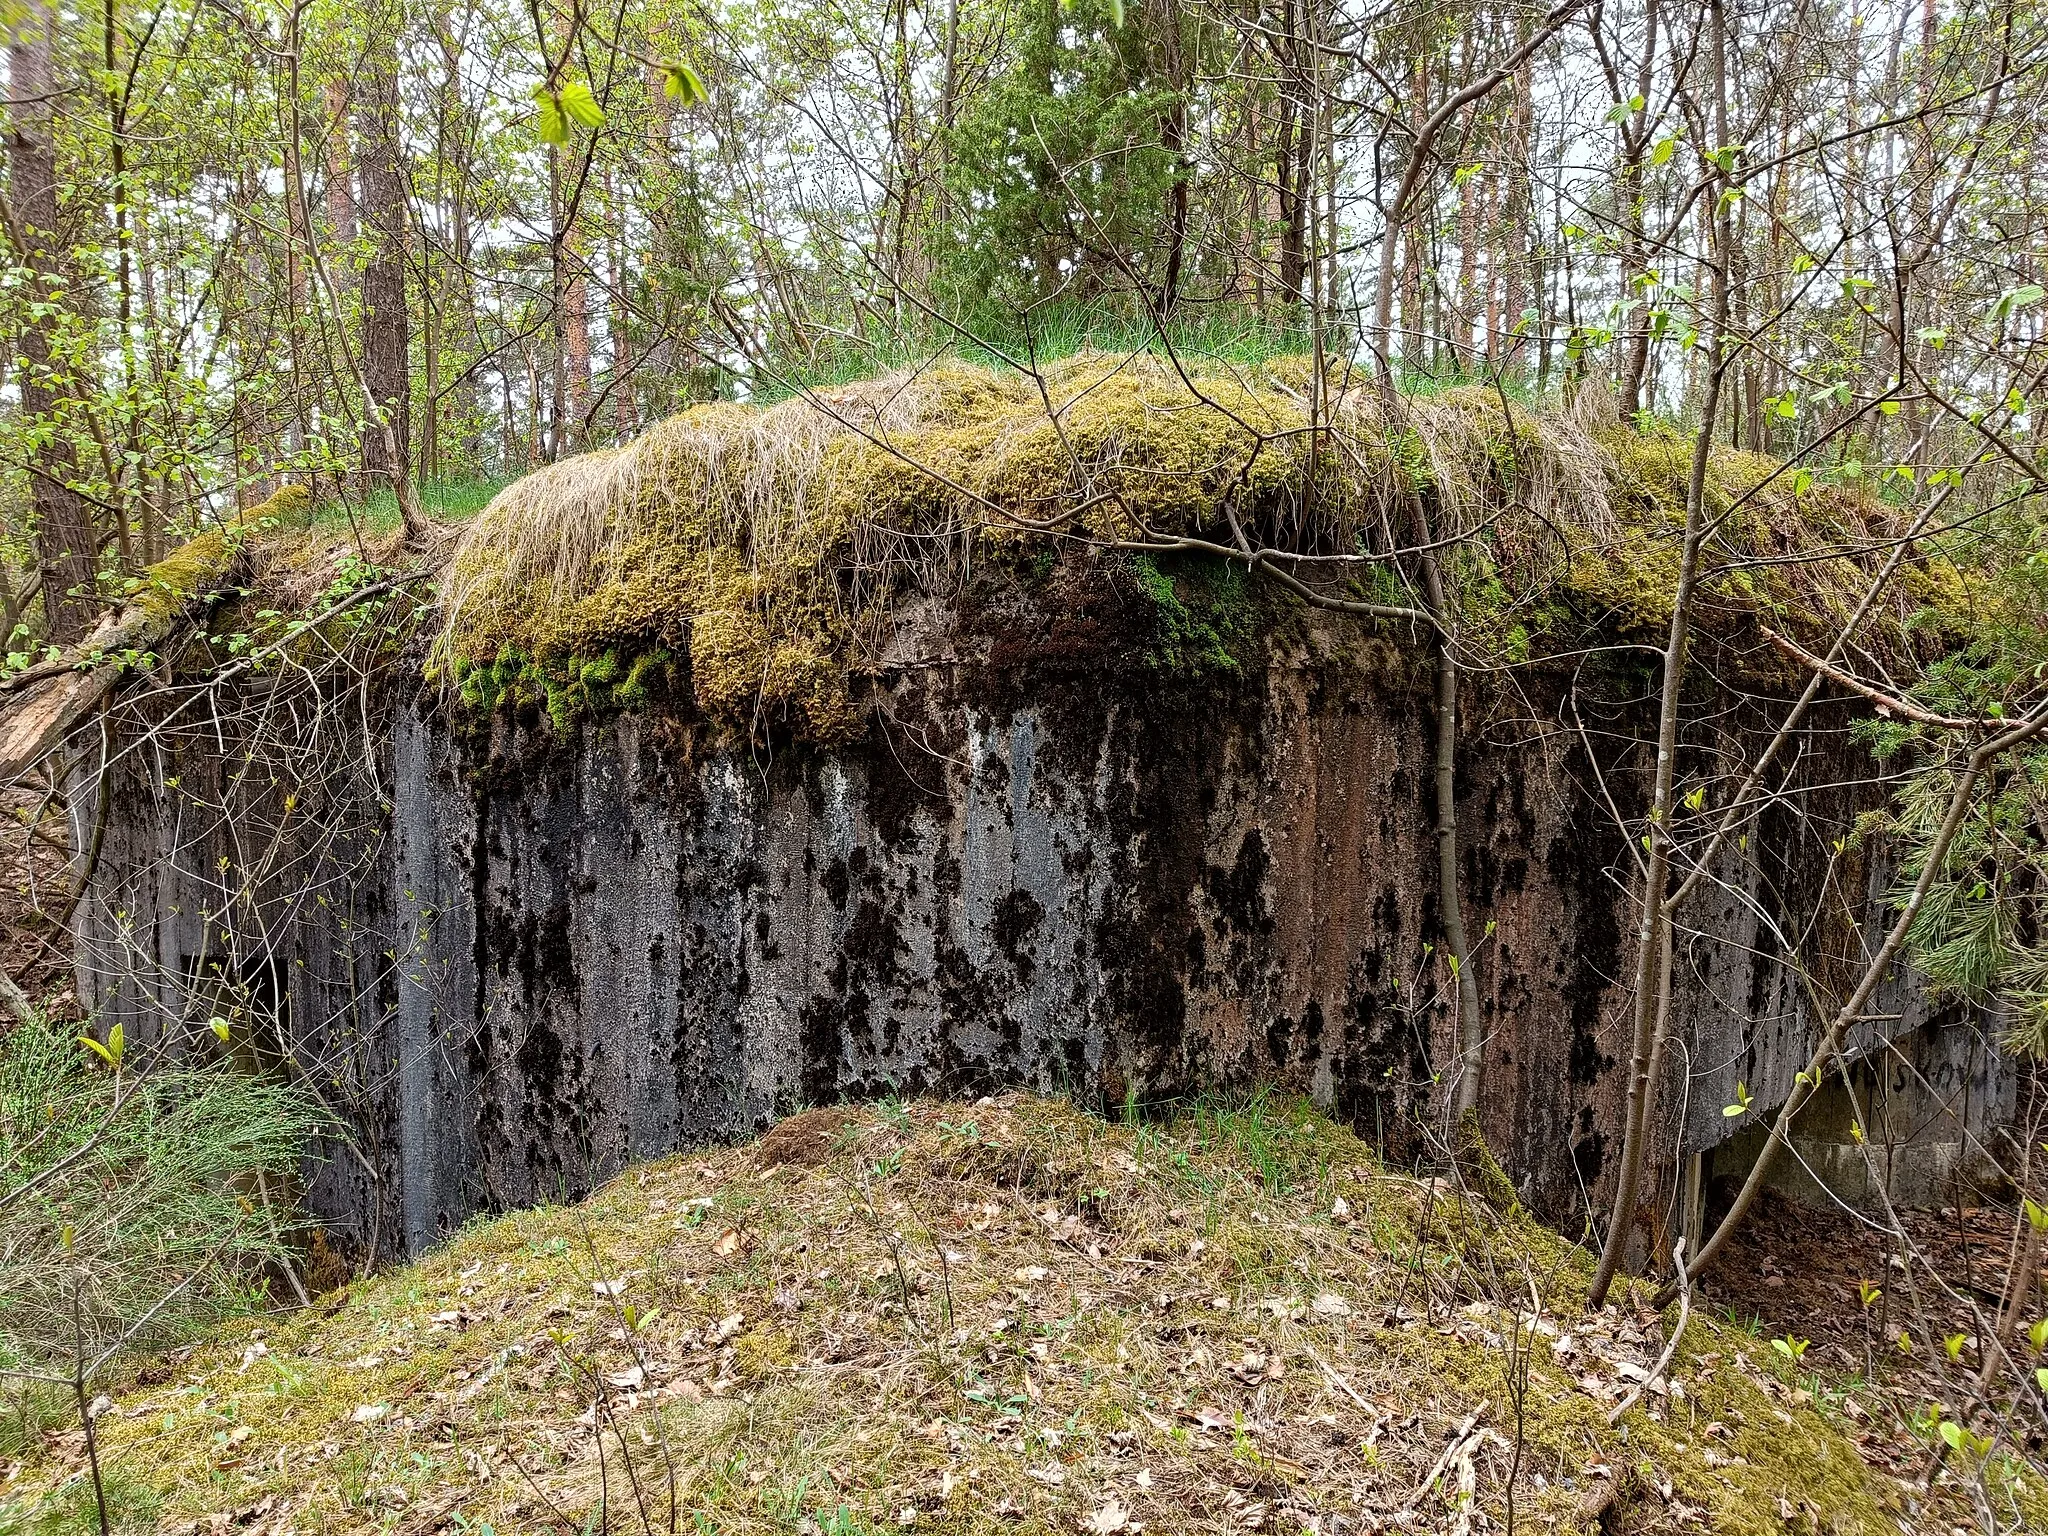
(559, 956)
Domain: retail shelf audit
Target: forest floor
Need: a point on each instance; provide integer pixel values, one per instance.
(1792, 1270)
(1012, 1316)
(34, 877)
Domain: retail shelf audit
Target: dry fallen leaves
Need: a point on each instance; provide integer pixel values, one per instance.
(1109, 1519)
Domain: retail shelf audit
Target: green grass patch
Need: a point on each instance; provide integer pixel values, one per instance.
(376, 515)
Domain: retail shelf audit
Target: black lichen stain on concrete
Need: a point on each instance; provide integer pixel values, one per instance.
(1198, 818)
(1016, 919)
(1086, 619)
(1381, 1068)
(1576, 865)
(1239, 893)
(1589, 1149)
(906, 766)
(1164, 779)
(1281, 1034)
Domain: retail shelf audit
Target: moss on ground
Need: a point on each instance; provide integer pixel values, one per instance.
(1005, 1315)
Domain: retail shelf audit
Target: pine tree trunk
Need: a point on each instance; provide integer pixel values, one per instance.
(341, 191)
(65, 541)
(387, 335)
(576, 338)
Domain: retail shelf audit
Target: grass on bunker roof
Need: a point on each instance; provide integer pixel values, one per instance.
(1008, 1315)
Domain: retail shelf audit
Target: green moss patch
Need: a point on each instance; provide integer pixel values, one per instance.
(1005, 1315)
(769, 547)
(202, 562)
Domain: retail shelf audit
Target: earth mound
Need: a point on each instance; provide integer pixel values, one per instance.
(1004, 1315)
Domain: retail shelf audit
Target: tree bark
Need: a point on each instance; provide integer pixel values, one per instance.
(341, 176)
(66, 547)
(387, 331)
(575, 336)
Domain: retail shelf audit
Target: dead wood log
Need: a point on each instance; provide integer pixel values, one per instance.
(39, 707)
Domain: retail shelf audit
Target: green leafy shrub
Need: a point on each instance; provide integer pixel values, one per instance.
(139, 1199)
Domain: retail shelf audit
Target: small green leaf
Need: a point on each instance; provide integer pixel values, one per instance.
(2019, 298)
(219, 1026)
(682, 83)
(554, 127)
(578, 103)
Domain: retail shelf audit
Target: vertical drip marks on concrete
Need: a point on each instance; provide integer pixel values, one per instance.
(1027, 908)
(734, 978)
(622, 904)
(432, 967)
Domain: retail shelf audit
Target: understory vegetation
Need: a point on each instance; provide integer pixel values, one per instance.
(145, 1194)
(1009, 1315)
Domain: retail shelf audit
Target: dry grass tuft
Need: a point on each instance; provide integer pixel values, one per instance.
(769, 546)
(1004, 1316)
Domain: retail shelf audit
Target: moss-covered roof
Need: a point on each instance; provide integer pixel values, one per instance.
(768, 545)
(1002, 1316)
(756, 555)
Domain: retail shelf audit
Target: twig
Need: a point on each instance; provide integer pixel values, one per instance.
(1465, 1431)
(1670, 1345)
(1887, 703)
(1340, 1383)
(92, 1442)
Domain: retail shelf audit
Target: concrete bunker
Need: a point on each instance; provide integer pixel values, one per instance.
(754, 767)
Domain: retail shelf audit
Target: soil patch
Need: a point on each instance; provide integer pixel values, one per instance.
(806, 1140)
